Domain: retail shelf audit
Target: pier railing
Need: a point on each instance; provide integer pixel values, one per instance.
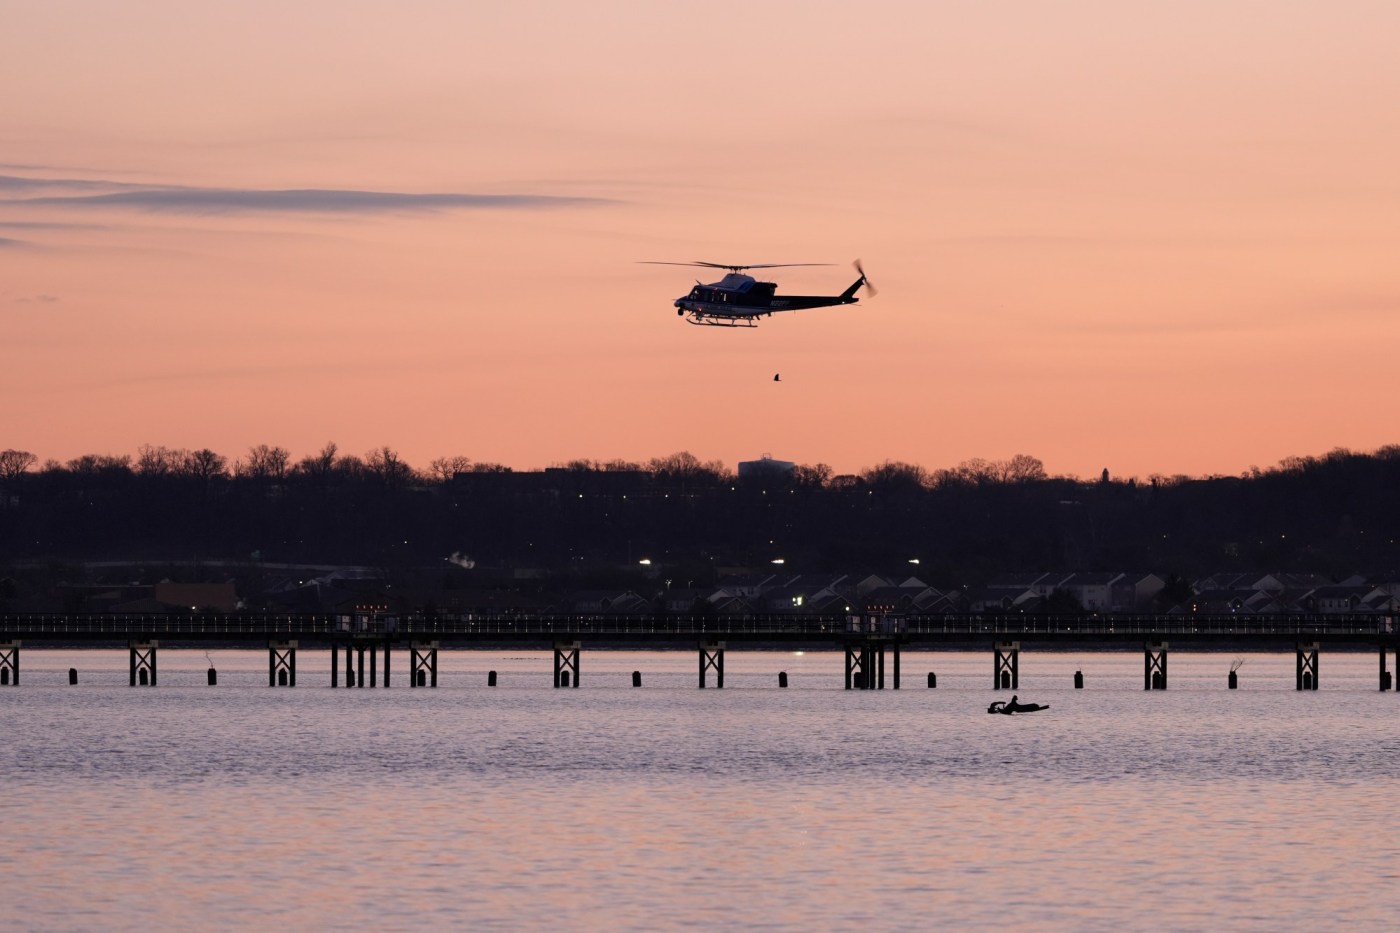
(753, 626)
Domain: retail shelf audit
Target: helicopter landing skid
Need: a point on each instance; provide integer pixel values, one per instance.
(721, 322)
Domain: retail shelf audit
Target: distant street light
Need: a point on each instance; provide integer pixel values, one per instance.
(778, 560)
(645, 561)
(913, 560)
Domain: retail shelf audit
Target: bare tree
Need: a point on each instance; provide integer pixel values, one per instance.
(204, 465)
(266, 463)
(620, 466)
(92, 464)
(1023, 468)
(444, 468)
(816, 475)
(158, 461)
(384, 464)
(15, 462)
(894, 474)
(321, 465)
(685, 466)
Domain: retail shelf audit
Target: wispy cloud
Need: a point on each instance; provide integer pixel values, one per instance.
(312, 200)
(92, 193)
(11, 243)
(24, 183)
(37, 299)
(45, 225)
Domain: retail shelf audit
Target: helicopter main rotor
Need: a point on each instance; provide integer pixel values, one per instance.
(736, 268)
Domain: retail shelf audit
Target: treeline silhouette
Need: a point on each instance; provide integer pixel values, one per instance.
(1336, 513)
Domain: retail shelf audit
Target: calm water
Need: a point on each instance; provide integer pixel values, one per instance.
(239, 807)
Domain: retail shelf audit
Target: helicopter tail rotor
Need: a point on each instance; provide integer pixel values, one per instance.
(870, 290)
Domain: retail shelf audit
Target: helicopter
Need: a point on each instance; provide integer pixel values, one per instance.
(739, 300)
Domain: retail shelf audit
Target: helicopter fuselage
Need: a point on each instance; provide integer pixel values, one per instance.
(739, 300)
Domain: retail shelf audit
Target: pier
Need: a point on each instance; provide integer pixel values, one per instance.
(867, 640)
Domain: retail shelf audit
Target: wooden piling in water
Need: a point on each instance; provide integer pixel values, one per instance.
(143, 662)
(782, 680)
(422, 663)
(566, 661)
(282, 663)
(1307, 666)
(1079, 680)
(712, 658)
(1154, 665)
(9, 663)
(1006, 665)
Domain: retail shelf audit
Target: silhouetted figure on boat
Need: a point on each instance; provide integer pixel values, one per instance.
(1006, 708)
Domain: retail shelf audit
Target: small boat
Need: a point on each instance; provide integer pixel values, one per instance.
(1007, 708)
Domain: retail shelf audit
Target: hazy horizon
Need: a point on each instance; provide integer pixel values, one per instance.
(426, 467)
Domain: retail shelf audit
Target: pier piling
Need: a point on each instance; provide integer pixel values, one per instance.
(865, 664)
(566, 658)
(490, 678)
(636, 678)
(423, 663)
(855, 666)
(1154, 665)
(712, 658)
(143, 662)
(1006, 659)
(282, 663)
(1307, 666)
(9, 663)
(1079, 680)
(782, 680)
(213, 677)
(72, 676)
(932, 680)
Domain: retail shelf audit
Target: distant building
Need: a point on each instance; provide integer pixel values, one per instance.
(203, 597)
(765, 468)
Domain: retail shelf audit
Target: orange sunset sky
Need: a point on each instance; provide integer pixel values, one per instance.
(1153, 237)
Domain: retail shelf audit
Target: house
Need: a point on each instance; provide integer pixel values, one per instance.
(615, 601)
(1010, 591)
(1335, 598)
(687, 599)
(804, 593)
(1138, 591)
(903, 599)
(747, 586)
(1095, 591)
